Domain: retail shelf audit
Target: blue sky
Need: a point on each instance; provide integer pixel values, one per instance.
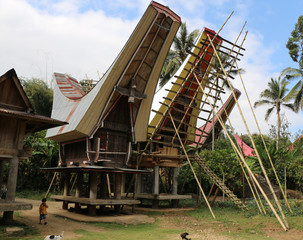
(83, 37)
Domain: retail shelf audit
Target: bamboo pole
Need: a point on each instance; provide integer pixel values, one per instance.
(246, 165)
(108, 184)
(191, 166)
(265, 146)
(215, 196)
(249, 134)
(258, 195)
(210, 191)
(50, 185)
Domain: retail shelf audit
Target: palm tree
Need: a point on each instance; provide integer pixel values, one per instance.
(181, 45)
(277, 95)
(295, 74)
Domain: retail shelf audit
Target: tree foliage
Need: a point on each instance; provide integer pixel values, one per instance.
(295, 43)
(294, 74)
(276, 96)
(45, 154)
(39, 94)
(182, 43)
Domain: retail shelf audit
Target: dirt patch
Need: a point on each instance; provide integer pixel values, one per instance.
(61, 220)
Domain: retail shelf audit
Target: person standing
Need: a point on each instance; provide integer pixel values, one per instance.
(43, 211)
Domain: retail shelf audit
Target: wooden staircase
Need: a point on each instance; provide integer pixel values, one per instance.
(220, 184)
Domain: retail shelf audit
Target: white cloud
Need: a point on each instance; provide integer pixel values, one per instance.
(36, 43)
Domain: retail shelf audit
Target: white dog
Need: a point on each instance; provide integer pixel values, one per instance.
(54, 237)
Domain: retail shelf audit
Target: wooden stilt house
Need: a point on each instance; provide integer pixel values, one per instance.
(16, 121)
(105, 123)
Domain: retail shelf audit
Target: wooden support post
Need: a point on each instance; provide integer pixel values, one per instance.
(117, 190)
(66, 191)
(138, 184)
(12, 180)
(93, 186)
(2, 167)
(175, 186)
(103, 186)
(103, 189)
(123, 183)
(79, 185)
(175, 180)
(155, 202)
(156, 181)
(79, 190)
(11, 189)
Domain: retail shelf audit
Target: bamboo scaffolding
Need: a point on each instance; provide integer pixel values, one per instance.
(167, 109)
(252, 141)
(221, 87)
(262, 167)
(192, 100)
(197, 91)
(232, 65)
(248, 168)
(265, 146)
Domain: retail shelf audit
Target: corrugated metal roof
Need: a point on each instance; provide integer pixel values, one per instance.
(69, 86)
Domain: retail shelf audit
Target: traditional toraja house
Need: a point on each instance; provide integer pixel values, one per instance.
(16, 121)
(105, 123)
(174, 124)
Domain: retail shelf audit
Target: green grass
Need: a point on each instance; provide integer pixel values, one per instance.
(28, 231)
(251, 224)
(32, 194)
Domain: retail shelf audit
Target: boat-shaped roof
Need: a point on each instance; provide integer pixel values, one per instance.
(137, 66)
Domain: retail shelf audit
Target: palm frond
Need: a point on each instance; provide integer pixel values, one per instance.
(292, 73)
(262, 102)
(269, 112)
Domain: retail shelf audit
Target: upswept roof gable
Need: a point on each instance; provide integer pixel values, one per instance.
(69, 86)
